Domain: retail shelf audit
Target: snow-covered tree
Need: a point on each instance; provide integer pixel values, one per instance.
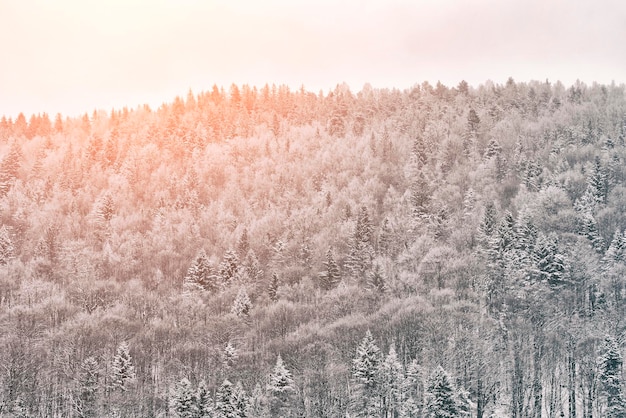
(366, 373)
(551, 264)
(242, 304)
(392, 379)
(440, 399)
(280, 388)
(229, 355)
(200, 275)
(6, 245)
(272, 289)
(182, 402)
(88, 388)
(224, 401)
(331, 275)
(122, 370)
(610, 365)
(228, 267)
(202, 401)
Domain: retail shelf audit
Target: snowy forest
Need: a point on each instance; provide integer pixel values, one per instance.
(435, 251)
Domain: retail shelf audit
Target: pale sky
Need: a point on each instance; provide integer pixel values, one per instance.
(74, 56)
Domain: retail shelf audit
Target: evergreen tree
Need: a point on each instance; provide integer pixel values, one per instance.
(590, 230)
(361, 252)
(384, 238)
(242, 304)
(229, 356)
(105, 210)
(88, 388)
(376, 280)
(551, 264)
(599, 182)
(366, 373)
(6, 245)
(182, 402)
(241, 401)
(272, 289)
(243, 244)
(610, 364)
(280, 388)
(489, 223)
(200, 275)
(202, 402)
(331, 275)
(392, 379)
(616, 253)
(440, 399)
(9, 168)
(228, 267)
(224, 401)
(122, 370)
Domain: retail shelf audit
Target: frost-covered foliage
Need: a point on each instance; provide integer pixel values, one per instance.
(479, 228)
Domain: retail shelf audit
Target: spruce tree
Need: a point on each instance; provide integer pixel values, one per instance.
(229, 356)
(551, 264)
(123, 371)
(272, 289)
(392, 379)
(610, 364)
(242, 304)
(88, 388)
(202, 402)
(224, 401)
(440, 396)
(366, 373)
(280, 389)
(200, 275)
(228, 267)
(331, 275)
(6, 245)
(182, 402)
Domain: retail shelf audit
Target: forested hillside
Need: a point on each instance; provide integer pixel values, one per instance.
(429, 252)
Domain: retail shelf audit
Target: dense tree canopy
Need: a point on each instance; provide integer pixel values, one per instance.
(474, 235)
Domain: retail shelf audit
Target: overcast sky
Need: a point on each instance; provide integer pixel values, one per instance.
(74, 56)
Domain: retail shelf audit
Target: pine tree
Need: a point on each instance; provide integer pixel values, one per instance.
(376, 281)
(272, 289)
(6, 245)
(88, 388)
(488, 224)
(440, 396)
(616, 253)
(123, 371)
(361, 252)
(224, 401)
(202, 402)
(229, 356)
(384, 238)
(241, 401)
(280, 388)
(331, 275)
(610, 364)
(590, 230)
(366, 373)
(200, 275)
(598, 182)
(551, 264)
(243, 244)
(105, 210)
(9, 168)
(182, 402)
(228, 267)
(242, 304)
(392, 379)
